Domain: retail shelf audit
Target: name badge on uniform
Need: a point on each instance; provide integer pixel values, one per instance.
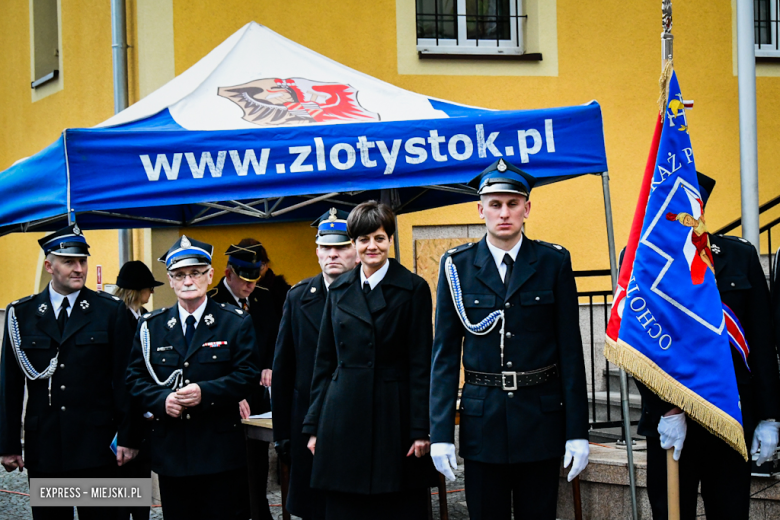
(214, 344)
(163, 349)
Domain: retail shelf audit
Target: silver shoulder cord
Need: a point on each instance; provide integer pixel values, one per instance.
(21, 357)
(483, 327)
(175, 379)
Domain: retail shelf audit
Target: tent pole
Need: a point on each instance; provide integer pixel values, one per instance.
(119, 51)
(613, 269)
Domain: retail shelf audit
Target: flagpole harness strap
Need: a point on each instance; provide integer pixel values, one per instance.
(21, 357)
(175, 379)
(485, 326)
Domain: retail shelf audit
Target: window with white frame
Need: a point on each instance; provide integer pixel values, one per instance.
(767, 19)
(470, 27)
(44, 39)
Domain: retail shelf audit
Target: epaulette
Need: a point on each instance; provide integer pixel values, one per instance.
(232, 309)
(736, 239)
(459, 249)
(154, 313)
(109, 296)
(22, 300)
(554, 247)
(212, 292)
(262, 288)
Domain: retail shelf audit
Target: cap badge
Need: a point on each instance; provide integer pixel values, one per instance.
(84, 304)
(208, 319)
(333, 213)
(171, 323)
(76, 229)
(501, 166)
(185, 242)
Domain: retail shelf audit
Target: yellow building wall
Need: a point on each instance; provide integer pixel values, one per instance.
(609, 53)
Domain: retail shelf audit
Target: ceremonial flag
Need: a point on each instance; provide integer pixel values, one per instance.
(671, 328)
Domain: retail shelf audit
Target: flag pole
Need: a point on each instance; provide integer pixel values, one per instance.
(672, 466)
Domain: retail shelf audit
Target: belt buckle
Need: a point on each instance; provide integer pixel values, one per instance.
(505, 386)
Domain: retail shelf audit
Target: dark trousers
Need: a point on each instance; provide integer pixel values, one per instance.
(493, 491)
(139, 467)
(705, 459)
(405, 505)
(205, 497)
(66, 513)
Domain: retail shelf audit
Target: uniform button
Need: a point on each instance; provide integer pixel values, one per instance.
(92, 339)
(34, 343)
(62, 387)
(163, 360)
(509, 364)
(370, 364)
(476, 301)
(188, 416)
(510, 395)
(63, 408)
(214, 356)
(508, 334)
(507, 305)
(186, 381)
(537, 298)
(212, 404)
(62, 365)
(157, 419)
(732, 284)
(186, 364)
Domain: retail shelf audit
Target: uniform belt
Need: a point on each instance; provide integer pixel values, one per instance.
(512, 380)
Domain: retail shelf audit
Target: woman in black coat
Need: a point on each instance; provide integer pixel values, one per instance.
(368, 418)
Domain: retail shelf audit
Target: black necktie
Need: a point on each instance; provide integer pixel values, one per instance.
(244, 304)
(366, 287)
(509, 263)
(62, 319)
(190, 332)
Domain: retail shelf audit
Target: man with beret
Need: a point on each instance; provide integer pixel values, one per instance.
(294, 360)
(704, 460)
(70, 346)
(190, 366)
(239, 288)
(511, 302)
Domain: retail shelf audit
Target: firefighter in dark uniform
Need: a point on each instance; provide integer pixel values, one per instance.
(294, 360)
(511, 302)
(190, 366)
(723, 474)
(239, 288)
(70, 346)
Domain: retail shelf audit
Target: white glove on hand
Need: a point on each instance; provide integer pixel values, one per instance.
(577, 450)
(765, 436)
(443, 455)
(673, 429)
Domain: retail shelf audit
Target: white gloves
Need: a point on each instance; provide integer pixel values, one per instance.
(765, 436)
(673, 429)
(443, 455)
(577, 450)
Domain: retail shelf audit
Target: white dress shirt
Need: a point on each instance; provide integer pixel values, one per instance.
(56, 300)
(183, 314)
(238, 303)
(498, 255)
(375, 278)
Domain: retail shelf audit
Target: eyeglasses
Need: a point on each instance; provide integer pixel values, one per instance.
(194, 276)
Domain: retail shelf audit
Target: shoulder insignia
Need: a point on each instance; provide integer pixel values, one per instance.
(155, 313)
(556, 247)
(260, 287)
(239, 311)
(108, 296)
(736, 239)
(22, 300)
(460, 248)
(298, 284)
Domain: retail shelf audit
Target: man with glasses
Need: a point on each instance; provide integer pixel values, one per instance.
(68, 345)
(190, 366)
(239, 288)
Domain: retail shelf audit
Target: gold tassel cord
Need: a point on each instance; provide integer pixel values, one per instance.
(663, 84)
(716, 421)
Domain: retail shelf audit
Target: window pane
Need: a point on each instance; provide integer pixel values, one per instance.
(436, 18)
(488, 19)
(764, 17)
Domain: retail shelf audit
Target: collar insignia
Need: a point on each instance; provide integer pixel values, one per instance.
(208, 319)
(42, 308)
(715, 249)
(163, 349)
(314, 289)
(185, 242)
(84, 304)
(171, 323)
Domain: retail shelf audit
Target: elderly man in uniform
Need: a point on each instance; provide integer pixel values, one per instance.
(511, 302)
(707, 461)
(70, 346)
(190, 366)
(294, 360)
(239, 288)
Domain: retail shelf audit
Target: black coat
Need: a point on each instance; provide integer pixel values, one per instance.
(296, 347)
(208, 438)
(89, 401)
(277, 284)
(531, 423)
(369, 395)
(742, 286)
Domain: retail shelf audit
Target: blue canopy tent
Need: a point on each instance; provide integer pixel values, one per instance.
(246, 136)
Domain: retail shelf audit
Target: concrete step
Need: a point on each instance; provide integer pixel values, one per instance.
(613, 434)
(608, 406)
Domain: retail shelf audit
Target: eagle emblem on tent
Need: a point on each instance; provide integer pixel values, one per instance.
(297, 101)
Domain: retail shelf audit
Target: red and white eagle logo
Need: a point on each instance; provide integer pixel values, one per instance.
(296, 101)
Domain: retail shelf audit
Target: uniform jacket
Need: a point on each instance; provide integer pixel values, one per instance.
(369, 394)
(296, 347)
(542, 328)
(278, 286)
(89, 401)
(742, 286)
(208, 438)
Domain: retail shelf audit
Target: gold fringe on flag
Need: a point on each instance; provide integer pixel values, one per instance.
(663, 84)
(715, 420)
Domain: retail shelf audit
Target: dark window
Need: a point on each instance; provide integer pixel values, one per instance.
(437, 19)
(488, 20)
(766, 16)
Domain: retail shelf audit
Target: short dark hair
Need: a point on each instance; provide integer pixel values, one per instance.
(262, 254)
(368, 217)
